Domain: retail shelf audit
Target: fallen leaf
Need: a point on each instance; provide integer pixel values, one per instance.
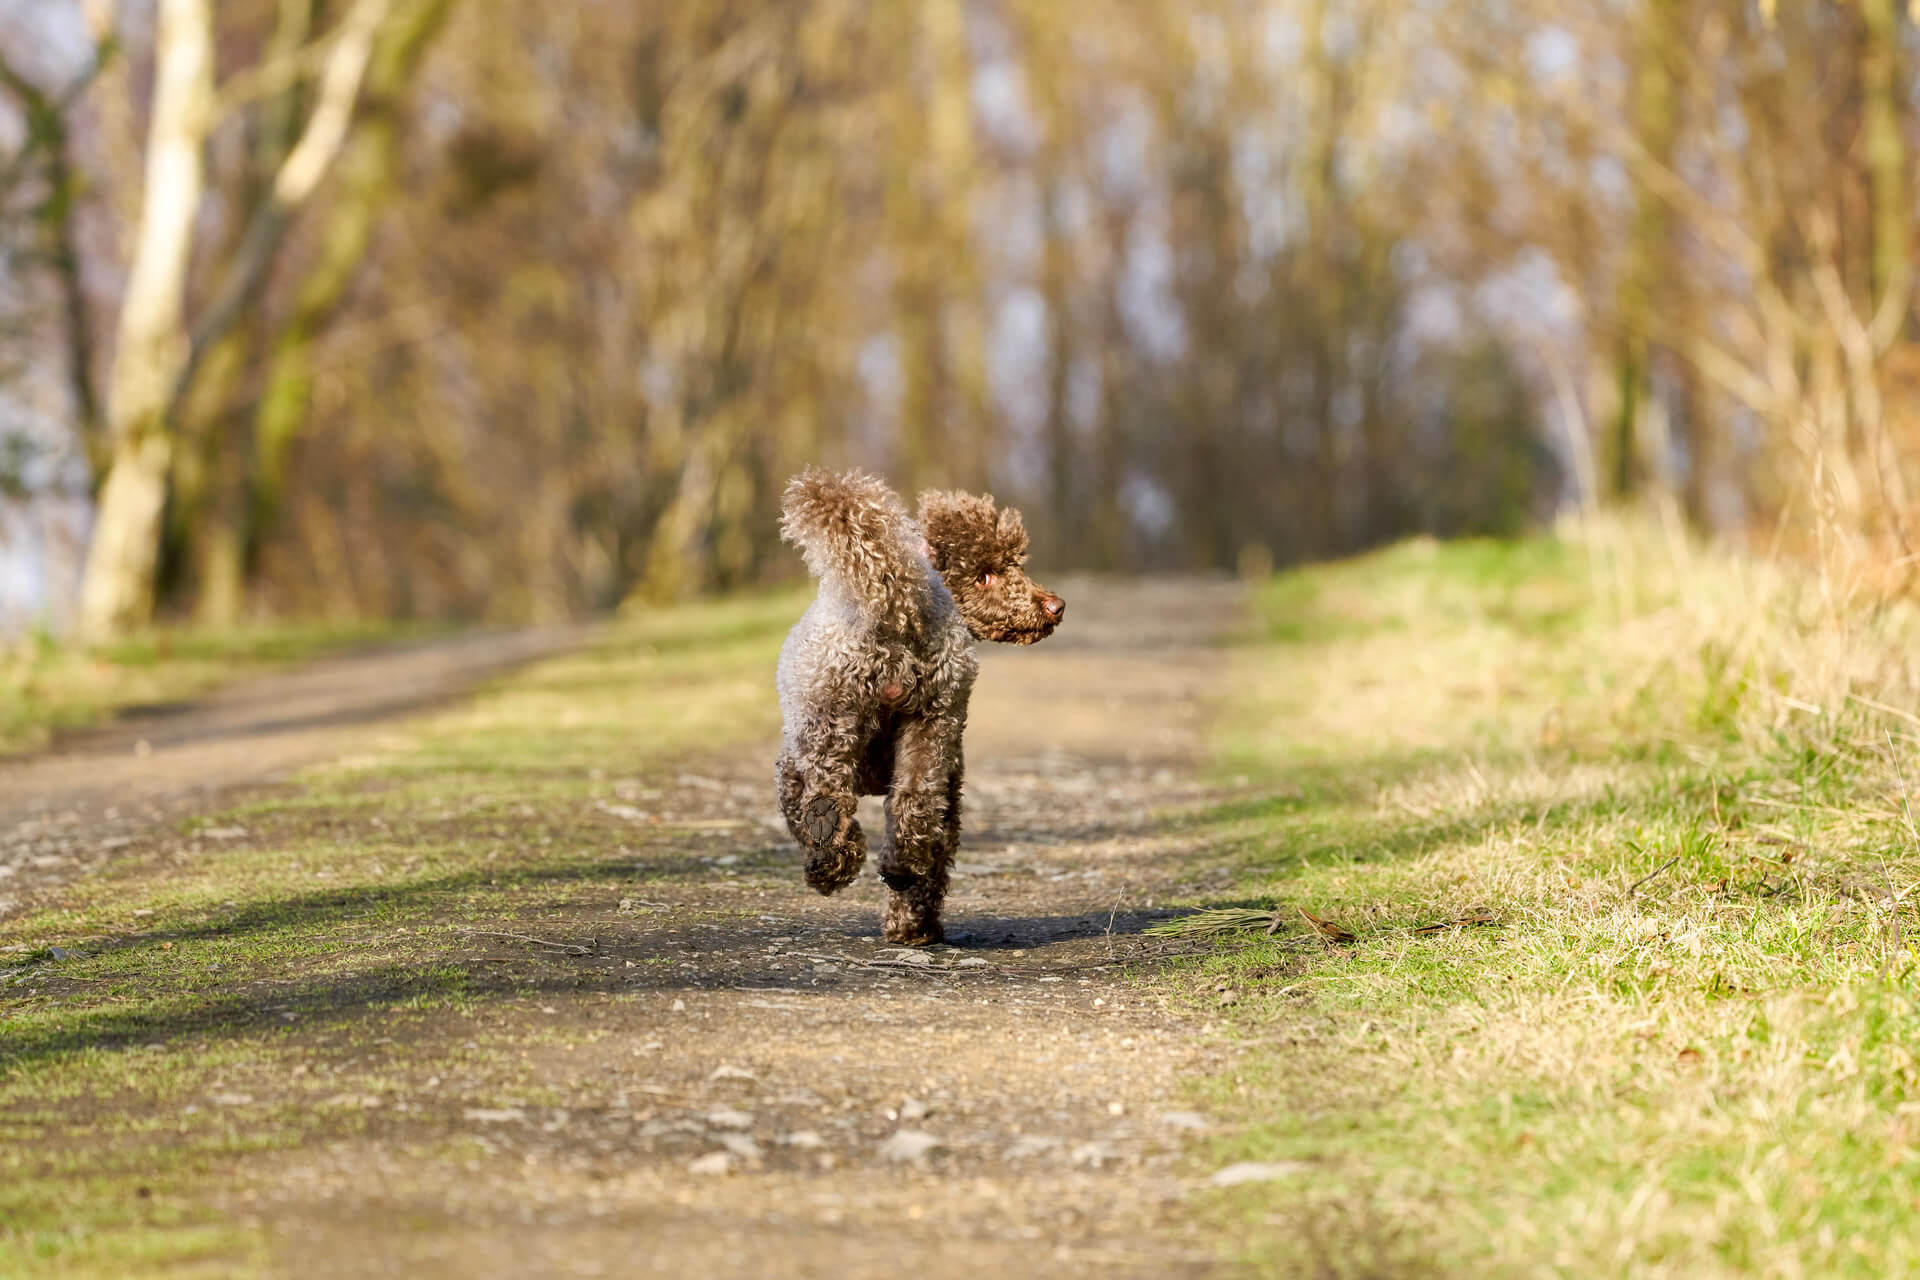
(1327, 929)
(1467, 921)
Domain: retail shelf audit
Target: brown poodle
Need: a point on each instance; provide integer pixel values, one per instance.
(874, 678)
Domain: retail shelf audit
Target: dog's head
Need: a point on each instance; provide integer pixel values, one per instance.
(981, 552)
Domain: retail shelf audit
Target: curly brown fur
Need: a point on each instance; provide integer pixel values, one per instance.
(853, 527)
(981, 554)
(874, 679)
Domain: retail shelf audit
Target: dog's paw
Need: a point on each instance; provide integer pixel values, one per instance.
(836, 847)
(831, 870)
(820, 821)
(914, 933)
(911, 925)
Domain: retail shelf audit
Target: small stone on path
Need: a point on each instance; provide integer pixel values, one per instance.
(495, 1115)
(1092, 1155)
(1256, 1171)
(910, 1145)
(717, 1162)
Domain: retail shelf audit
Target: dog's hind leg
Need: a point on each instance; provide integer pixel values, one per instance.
(819, 806)
(923, 829)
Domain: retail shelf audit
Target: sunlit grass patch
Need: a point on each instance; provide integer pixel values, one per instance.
(1623, 858)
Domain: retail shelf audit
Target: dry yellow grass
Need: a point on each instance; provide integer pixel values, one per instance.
(1678, 781)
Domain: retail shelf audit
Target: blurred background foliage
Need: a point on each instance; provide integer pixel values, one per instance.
(1200, 284)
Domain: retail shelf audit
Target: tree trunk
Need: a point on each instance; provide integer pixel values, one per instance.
(158, 354)
(117, 590)
(1881, 84)
(1063, 517)
(368, 169)
(1655, 110)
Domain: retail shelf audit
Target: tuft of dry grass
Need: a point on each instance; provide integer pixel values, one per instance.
(1678, 780)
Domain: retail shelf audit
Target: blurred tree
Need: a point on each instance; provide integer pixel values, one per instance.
(151, 349)
(1199, 284)
(158, 354)
(252, 456)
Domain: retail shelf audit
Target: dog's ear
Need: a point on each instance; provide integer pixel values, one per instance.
(947, 518)
(1012, 531)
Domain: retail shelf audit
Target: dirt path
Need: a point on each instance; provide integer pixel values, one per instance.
(65, 812)
(733, 1076)
(795, 1098)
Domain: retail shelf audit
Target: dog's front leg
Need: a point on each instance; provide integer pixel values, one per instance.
(923, 829)
(817, 799)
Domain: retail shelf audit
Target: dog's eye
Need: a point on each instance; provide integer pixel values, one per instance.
(988, 577)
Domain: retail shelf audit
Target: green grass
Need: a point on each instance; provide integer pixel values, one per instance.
(222, 998)
(47, 686)
(1713, 1073)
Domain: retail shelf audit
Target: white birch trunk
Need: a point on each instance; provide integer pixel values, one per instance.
(117, 591)
(156, 356)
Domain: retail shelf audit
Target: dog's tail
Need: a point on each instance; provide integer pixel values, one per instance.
(855, 533)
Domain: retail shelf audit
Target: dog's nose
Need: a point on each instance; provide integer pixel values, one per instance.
(1054, 607)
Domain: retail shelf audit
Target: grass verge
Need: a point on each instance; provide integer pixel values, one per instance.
(1623, 846)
